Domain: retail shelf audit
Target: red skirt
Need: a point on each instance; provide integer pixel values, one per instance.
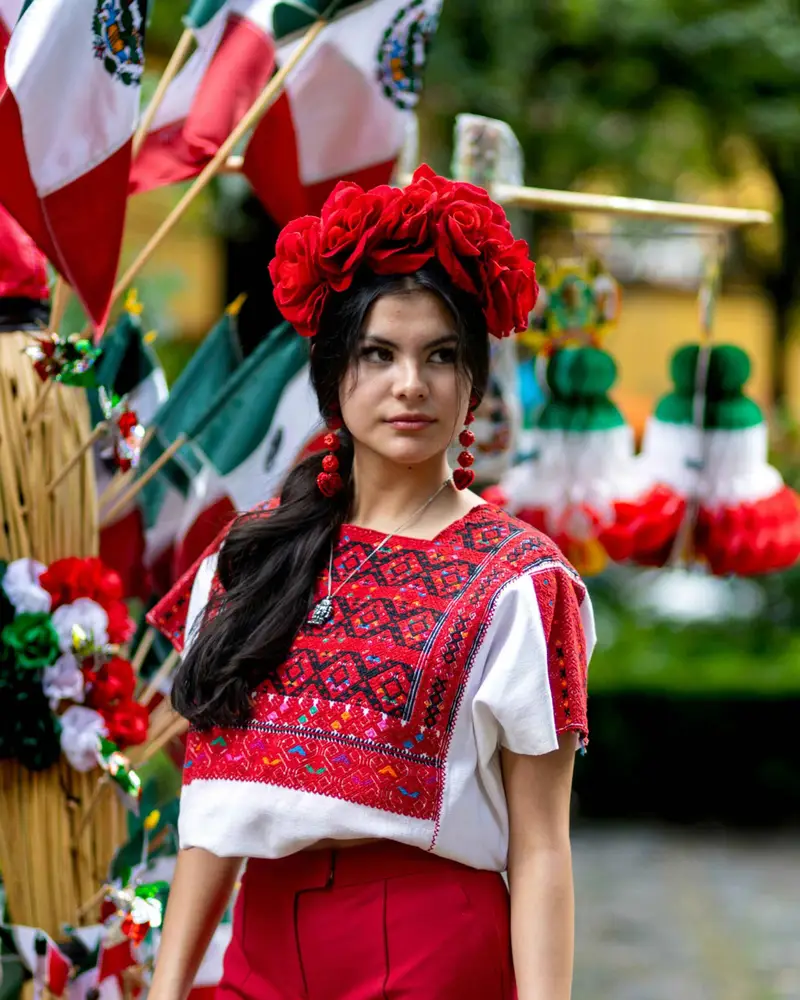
(378, 922)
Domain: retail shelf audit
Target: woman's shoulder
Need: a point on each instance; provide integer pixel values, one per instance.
(517, 546)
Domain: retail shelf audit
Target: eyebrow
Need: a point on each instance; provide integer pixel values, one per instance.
(447, 338)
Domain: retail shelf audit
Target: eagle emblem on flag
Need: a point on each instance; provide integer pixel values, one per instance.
(404, 50)
(119, 39)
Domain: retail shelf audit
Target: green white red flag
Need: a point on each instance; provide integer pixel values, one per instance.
(234, 59)
(344, 111)
(73, 70)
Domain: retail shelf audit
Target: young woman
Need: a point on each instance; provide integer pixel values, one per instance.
(386, 677)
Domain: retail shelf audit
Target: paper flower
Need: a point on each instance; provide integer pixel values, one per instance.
(32, 640)
(80, 729)
(87, 615)
(63, 681)
(21, 585)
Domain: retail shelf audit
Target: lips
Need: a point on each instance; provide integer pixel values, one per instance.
(411, 421)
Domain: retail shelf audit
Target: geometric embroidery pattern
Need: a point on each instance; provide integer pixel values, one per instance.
(364, 706)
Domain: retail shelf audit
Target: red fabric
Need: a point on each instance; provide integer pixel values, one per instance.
(367, 922)
(122, 547)
(23, 270)
(79, 227)
(365, 705)
(241, 67)
(272, 166)
(559, 599)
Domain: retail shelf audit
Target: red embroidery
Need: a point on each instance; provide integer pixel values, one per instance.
(365, 705)
(560, 596)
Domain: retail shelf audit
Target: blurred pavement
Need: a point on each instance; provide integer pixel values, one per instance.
(679, 915)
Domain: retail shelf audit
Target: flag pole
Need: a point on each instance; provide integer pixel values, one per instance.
(176, 60)
(257, 109)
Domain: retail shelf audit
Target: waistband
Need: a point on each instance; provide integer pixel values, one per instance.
(375, 862)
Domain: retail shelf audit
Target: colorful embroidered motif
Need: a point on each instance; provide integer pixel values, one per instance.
(365, 706)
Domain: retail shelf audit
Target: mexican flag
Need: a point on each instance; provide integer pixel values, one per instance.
(232, 63)
(163, 501)
(9, 12)
(344, 110)
(43, 958)
(253, 432)
(73, 71)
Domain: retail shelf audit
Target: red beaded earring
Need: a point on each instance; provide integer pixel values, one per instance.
(329, 481)
(464, 477)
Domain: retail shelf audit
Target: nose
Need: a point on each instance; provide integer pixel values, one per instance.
(410, 383)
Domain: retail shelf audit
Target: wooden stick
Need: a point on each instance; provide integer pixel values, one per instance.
(140, 483)
(38, 408)
(100, 787)
(61, 296)
(143, 649)
(90, 903)
(176, 729)
(77, 455)
(514, 196)
(176, 60)
(257, 109)
(158, 677)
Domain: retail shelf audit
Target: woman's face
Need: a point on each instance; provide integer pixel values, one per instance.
(403, 397)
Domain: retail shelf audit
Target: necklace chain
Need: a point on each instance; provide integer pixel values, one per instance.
(322, 611)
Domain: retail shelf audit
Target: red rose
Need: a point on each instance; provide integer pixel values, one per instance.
(127, 724)
(460, 233)
(509, 287)
(350, 225)
(406, 233)
(300, 291)
(448, 191)
(120, 624)
(68, 579)
(113, 684)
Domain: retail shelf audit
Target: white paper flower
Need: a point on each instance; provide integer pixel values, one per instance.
(63, 681)
(88, 615)
(21, 584)
(80, 728)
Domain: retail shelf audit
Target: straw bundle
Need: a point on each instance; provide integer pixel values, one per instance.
(50, 864)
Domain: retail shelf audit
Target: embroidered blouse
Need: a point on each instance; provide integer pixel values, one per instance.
(387, 720)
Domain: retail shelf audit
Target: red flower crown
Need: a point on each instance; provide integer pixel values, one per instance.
(397, 230)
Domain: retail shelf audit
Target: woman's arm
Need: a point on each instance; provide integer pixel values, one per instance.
(200, 891)
(540, 870)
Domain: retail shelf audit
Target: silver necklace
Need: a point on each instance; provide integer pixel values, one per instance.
(323, 610)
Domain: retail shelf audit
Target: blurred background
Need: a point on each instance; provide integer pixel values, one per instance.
(686, 806)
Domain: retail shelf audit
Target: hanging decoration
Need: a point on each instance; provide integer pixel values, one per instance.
(62, 680)
(578, 481)
(125, 433)
(69, 360)
(712, 447)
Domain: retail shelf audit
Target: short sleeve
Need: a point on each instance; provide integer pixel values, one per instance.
(537, 650)
(179, 612)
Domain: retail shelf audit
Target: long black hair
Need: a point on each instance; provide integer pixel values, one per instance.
(268, 566)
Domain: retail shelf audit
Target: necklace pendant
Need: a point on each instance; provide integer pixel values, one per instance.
(321, 612)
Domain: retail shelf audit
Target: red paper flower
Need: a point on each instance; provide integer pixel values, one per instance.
(127, 724)
(68, 579)
(113, 684)
(120, 624)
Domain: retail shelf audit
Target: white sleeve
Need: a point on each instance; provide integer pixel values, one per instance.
(535, 653)
(198, 599)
